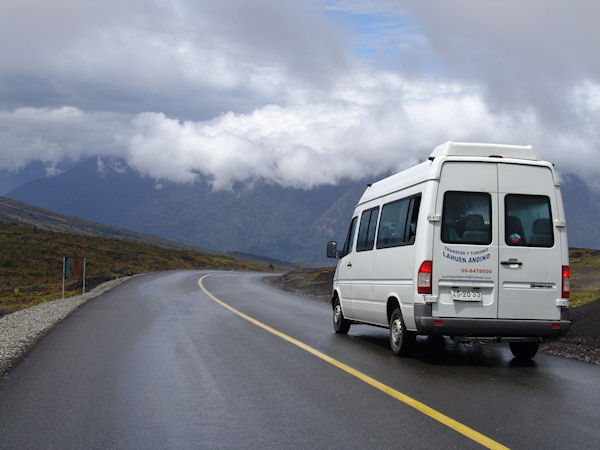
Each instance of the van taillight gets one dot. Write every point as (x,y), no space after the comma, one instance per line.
(566,276)
(424,278)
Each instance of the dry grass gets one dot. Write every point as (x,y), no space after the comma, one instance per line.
(31,263)
(585,275)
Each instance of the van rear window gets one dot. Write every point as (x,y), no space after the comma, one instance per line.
(466,218)
(528,221)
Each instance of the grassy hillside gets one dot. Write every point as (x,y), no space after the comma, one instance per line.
(585,275)
(31,263)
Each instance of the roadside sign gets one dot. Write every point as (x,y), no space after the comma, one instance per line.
(73,268)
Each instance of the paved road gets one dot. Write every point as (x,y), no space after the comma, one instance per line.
(158,363)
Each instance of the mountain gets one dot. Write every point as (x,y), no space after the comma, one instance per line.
(264,260)
(261,219)
(582,208)
(21,213)
(11,179)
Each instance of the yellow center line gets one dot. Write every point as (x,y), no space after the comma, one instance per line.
(421,407)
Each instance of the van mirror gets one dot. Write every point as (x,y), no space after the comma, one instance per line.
(332,251)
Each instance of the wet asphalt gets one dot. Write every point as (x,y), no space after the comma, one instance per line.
(156,363)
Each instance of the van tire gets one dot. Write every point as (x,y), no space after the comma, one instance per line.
(401,340)
(341,325)
(524,350)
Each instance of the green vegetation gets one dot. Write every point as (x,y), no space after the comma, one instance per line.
(585,275)
(31,263)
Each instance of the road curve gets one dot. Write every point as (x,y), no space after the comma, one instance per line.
(159,363)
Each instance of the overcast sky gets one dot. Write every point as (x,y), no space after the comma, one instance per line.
(299,93)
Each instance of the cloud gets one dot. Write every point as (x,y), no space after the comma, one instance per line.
(270,90)
(354,134)
(523,53)
(371,123)
(52,135)
(185,58)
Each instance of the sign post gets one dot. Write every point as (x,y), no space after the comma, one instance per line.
(83,276)
(73,267)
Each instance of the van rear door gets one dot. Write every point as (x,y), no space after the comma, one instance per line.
(465,251)
(530,277)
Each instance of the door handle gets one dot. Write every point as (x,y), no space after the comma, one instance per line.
(512,262)
(349,264)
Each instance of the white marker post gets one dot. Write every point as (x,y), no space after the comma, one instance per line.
(63,279)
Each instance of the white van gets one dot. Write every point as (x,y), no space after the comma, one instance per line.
(471,244)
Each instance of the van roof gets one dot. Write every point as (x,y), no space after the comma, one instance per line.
(430,170)
(478,149)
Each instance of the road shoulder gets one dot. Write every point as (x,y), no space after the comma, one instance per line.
(21,330)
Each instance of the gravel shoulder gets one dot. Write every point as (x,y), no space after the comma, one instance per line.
(582,342)
(20,330)
(583,339)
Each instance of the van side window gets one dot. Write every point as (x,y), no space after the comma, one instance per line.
(413,215)
(366,230)
(466,218)
(528,221)
(398,223)
(349,238)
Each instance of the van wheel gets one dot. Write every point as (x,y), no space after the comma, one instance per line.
(524,350)
(341,325)
(401,340)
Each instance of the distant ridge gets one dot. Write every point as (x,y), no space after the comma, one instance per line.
(288,224)
(261,259)
(21,213)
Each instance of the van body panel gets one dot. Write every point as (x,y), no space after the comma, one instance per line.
(343,272)
(561,227)
(400,183)
(343,276)
(521,152)
(364,304)
(394,284)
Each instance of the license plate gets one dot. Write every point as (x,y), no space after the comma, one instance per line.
(466,295)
